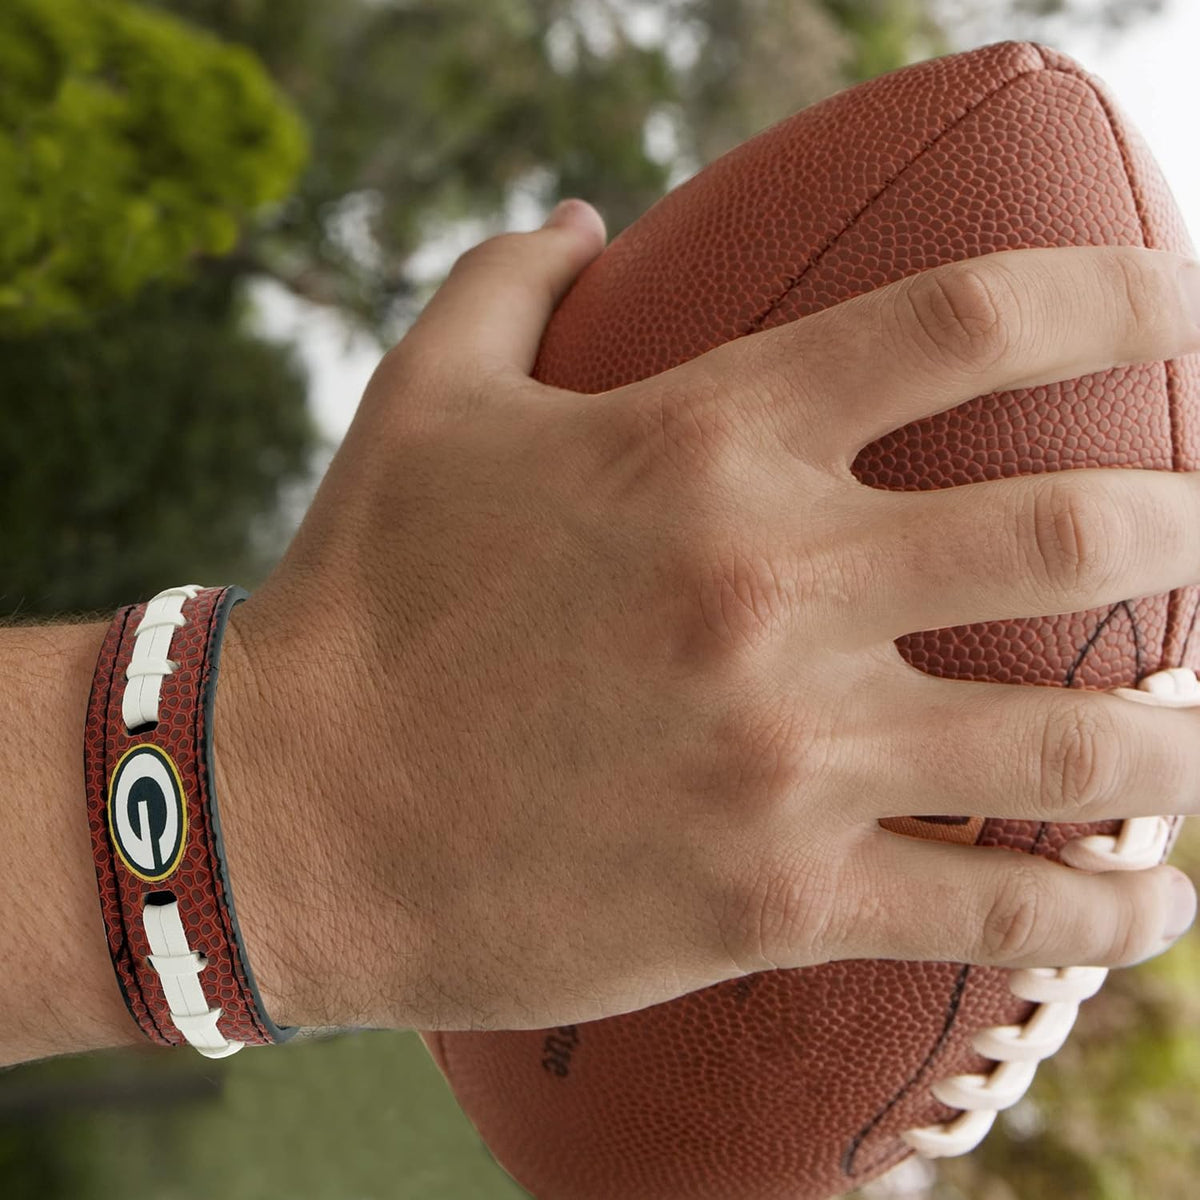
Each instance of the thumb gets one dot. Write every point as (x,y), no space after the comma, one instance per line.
(499,296)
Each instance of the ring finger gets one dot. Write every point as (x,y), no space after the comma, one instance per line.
(1071,755)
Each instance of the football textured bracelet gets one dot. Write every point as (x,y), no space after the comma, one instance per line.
(156,836)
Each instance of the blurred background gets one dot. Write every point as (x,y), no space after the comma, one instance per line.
(214,216)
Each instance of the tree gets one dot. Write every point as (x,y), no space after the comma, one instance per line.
(425,113)
(129,144)
(146,448)
(146,434)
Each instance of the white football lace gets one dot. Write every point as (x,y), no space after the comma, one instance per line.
(177,964)
(1058,992)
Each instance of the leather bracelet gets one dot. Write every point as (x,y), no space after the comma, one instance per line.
(156,835)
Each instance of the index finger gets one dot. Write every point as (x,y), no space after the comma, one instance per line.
(847,375)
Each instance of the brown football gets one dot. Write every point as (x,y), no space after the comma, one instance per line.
(792,1085)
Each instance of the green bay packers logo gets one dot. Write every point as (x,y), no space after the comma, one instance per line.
(147,813)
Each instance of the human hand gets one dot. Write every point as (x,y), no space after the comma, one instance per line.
(559,706)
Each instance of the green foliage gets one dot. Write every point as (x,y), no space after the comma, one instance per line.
(148,448)
(884,32)
(434,111)
(129,144)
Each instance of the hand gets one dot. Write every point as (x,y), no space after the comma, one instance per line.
(559,706)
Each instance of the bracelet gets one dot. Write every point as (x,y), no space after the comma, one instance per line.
(156,837)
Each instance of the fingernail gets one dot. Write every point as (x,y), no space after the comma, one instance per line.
(1191,288)
(1182,911)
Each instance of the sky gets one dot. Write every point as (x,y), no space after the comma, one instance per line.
(1150,69)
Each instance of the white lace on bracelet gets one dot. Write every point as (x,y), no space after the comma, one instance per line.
(1058,992)
(179,967)
(177,964)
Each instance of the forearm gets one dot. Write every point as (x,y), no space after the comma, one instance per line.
(58,992)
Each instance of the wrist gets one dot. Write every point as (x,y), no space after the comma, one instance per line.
(329,932)
(256,833)
(279,852)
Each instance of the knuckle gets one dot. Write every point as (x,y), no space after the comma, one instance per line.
(788,914)
(1082,764)
(1070,545)
(407,384)
(688,429)
(743,597)
(1134,934)
(772,751)
(783,398)
(1146,295)
(959,316)
(1014,924)
(1167,759)
(401,365)
(498,250)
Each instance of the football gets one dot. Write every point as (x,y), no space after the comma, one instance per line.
(799,1084)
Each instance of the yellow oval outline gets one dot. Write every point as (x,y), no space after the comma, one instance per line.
(173,866)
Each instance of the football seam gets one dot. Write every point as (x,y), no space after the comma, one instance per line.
(1122,145)
(951,1015)
(833,239)
(1175,604)
(1100,628)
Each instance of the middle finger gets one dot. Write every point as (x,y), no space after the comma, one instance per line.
(1018,752)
